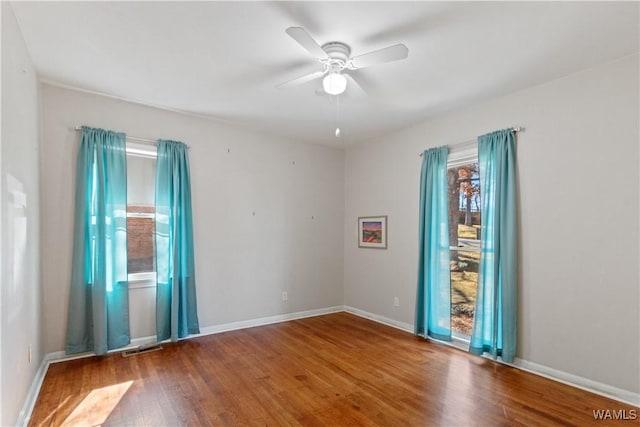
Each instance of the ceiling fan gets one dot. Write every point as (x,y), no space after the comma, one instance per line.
(336,61)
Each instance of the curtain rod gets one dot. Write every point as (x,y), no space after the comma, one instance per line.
(515,129)
(133,138)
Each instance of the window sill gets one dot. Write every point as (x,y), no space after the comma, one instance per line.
(142,280)
(460,341)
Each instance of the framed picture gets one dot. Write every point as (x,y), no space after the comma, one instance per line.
(372,232)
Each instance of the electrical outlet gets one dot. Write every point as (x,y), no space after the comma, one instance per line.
(396,302)
(285,297)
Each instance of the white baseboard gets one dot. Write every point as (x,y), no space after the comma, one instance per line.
(582,383)
(62,356)
(216,329)
(380,319)
(30,401)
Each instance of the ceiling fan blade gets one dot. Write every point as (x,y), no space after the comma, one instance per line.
(306,41)
(353,86)
(300,80)
(388,54)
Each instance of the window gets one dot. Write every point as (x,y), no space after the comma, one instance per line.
(141,166)
(463,182)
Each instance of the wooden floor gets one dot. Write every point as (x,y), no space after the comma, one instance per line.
(337,369)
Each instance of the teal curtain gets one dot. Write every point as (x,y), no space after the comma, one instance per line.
(494,323)
(176,308)
(98,318)
(433,300)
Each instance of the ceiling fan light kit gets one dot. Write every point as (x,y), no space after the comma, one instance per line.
(336,61)
(334,83)
(335,58)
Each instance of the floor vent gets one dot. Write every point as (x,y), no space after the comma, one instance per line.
(142,349)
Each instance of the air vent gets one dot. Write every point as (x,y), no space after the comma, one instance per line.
(142,349)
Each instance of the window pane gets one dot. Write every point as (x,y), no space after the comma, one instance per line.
(141,173)
(464,285)
(464,205)
(140,200)
(464,232)
(140,241)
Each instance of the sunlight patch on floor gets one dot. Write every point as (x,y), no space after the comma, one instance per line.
(97,406)
(47,420)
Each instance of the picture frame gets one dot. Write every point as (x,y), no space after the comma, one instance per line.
(372,232)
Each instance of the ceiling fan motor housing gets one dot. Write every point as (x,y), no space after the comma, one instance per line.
(338,54)
(335,57)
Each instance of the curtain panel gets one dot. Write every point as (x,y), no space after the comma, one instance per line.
(98,317)
(176,306)
(433,299)
(494,323)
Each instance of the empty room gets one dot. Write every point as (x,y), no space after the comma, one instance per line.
(320,213)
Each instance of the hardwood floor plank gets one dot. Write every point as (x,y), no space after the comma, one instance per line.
(336,369)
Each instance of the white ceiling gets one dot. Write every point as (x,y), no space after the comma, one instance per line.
(223,59)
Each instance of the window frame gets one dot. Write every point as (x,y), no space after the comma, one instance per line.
(459,155)
(146,279)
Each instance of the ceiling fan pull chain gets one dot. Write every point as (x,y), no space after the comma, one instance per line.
(337,116)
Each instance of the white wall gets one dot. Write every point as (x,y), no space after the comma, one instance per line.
(578,208)
(20,307)
(243,261)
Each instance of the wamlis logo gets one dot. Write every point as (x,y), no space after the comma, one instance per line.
(615,414)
